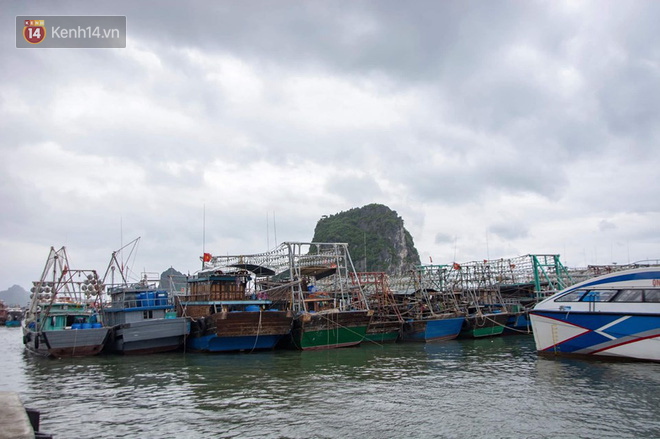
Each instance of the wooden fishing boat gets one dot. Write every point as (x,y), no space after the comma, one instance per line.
(433,328)
(62,320)
(298,293)
(226,317)
(430,315)
(329,311)
(324,326)
(386,323)
(486,314)
(484,324)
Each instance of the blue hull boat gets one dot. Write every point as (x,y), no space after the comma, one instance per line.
(432,329)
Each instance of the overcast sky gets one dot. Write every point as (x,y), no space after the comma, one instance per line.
(494,129)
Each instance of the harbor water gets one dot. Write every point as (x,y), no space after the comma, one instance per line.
(486,388)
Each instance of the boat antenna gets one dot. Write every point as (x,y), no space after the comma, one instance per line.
(267,233)
(275,228)
(121,241)
(487,249)
(203,233)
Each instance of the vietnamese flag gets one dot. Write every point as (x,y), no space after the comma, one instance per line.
(207,257)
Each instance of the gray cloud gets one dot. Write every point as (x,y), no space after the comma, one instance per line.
(457,115)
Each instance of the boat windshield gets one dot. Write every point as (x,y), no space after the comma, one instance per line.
(652,295)
(599,295)
(629,296)
(573,296)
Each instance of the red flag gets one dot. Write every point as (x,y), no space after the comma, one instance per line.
(431,259)
(207,257)
(457,266)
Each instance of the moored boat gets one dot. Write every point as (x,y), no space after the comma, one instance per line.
(386,323)
(325,326)
(62,320)
(615,315)
(14,317)
(329,312)
(143,320)
(433,328)
(485,313)
(142,316)
(430,312)
(484,324)
(226,317)
(4,313)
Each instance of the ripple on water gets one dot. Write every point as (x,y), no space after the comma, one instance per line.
(470,388)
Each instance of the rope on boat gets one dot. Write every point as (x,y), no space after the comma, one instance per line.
(256,339)
(508,327)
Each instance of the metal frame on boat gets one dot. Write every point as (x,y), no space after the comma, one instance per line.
(63,318)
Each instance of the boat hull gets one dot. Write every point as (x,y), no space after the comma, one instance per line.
(488,325)
(315,331)
(66,342)
(150,336)
(430,330)
(518,323)
(383,331)
(618,335)
(239,331)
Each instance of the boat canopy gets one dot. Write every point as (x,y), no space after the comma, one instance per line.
(259,270)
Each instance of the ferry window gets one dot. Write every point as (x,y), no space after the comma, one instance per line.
(573,296)
(599,295)
(629,296)
(651,295)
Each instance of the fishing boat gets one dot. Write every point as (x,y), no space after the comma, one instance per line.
(14,317)
(143,320)
(62,320)
(330,312)
(429,307)
(141,314)
(227,317)
(616,315)
(485,313)
(427,318)
(4,312)
(298,292)
(484,323)
(385,325)
(325,324)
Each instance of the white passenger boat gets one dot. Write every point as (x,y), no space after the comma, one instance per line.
(615,315)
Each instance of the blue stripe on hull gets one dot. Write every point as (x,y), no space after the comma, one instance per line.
(436,330)
(213,343)
(600,336)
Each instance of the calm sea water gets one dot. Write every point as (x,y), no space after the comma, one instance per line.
(473,388)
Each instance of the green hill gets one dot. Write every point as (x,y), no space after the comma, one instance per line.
(376,237)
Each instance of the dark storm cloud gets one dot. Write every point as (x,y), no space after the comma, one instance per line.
(309,108)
